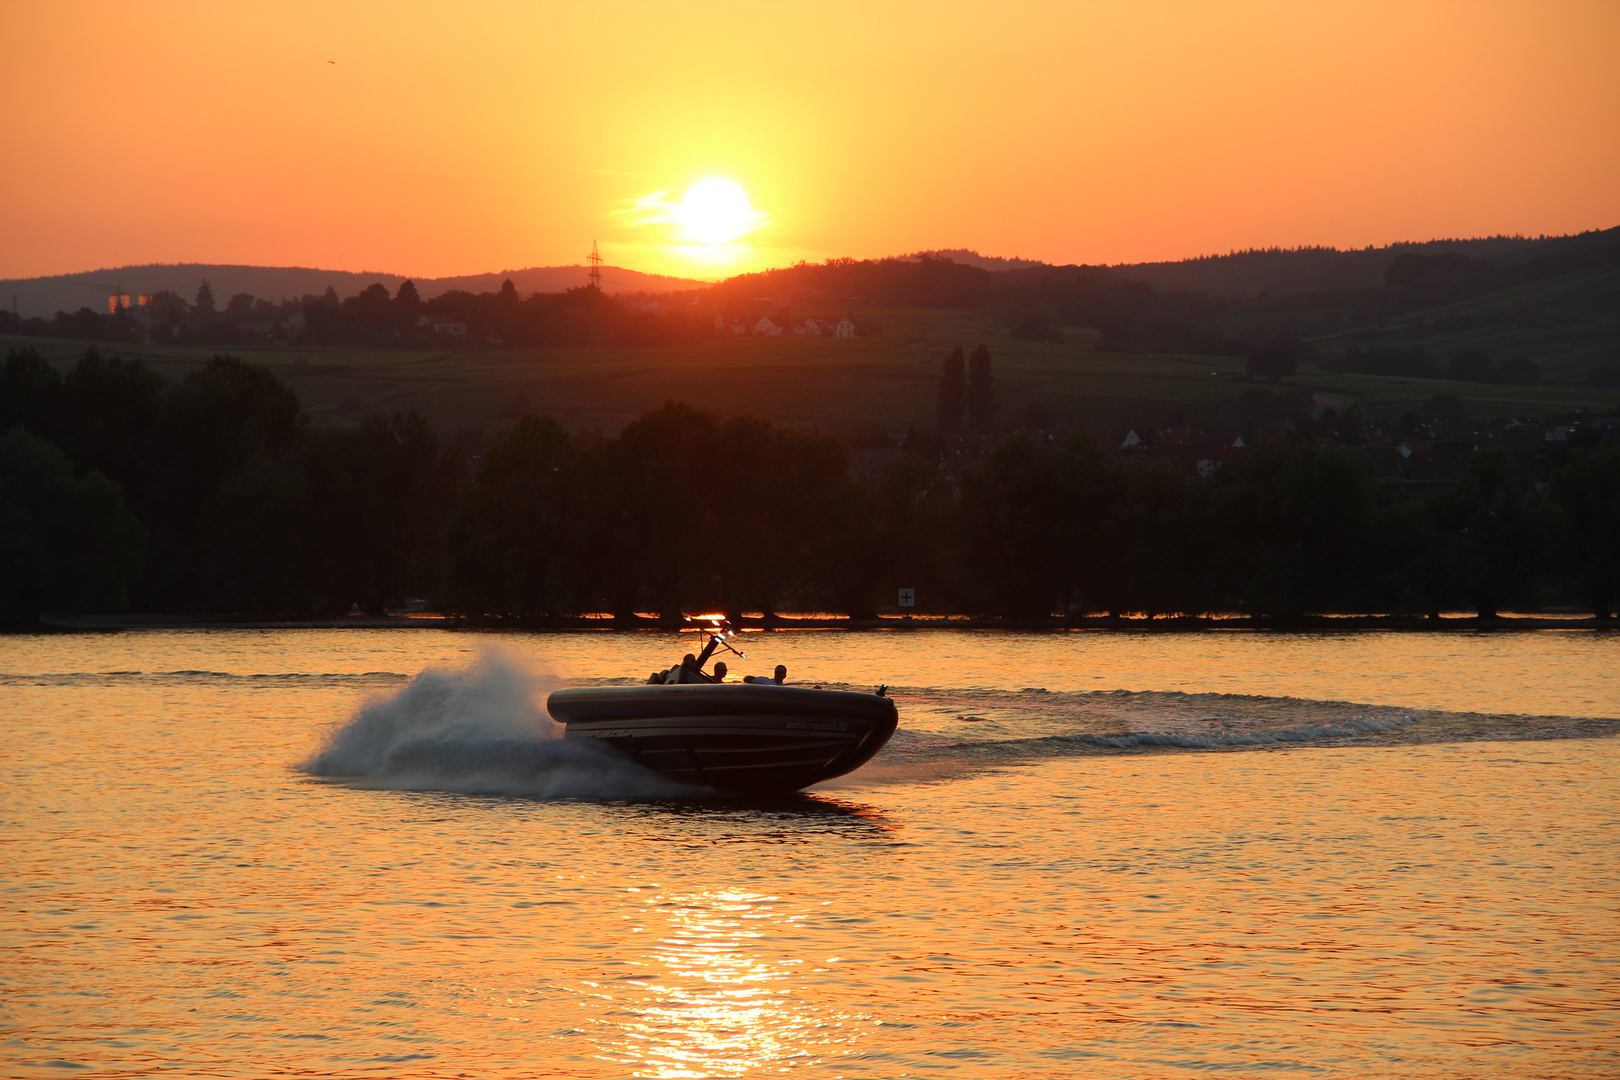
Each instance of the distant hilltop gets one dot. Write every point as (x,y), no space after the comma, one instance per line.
(42,297)
(1285,271)
(1238,275)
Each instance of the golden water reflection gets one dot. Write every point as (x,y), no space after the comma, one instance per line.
(718,995)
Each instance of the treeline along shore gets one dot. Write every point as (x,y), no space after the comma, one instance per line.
(212,494)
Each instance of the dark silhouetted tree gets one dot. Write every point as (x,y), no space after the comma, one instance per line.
(379,495)
(410,303)
(1586,488)
(216,421)
(114,408)
(952,393)
(1278,357)
(1299,519)
(1032,521)
(205,298)
(516,540)
(981,392)
(1493,531)
(67,545)
(31,395)
(167,310)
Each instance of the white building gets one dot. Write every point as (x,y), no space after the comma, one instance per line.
(845,328)
(441,325)
(766,327)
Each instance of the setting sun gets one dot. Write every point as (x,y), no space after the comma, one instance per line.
(716,211)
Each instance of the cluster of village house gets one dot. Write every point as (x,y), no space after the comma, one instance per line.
(1423,465)
(844,327)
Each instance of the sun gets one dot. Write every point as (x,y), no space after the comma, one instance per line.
(715,211)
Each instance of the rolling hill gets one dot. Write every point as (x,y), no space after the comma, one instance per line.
(1281,272)
(44,296)
(1553,302)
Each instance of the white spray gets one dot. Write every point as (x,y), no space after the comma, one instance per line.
(479,730)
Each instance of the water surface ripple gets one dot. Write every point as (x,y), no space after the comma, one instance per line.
(1181,869)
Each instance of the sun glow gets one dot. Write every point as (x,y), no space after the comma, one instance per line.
(715,211)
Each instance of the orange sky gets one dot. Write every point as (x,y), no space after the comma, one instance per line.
(468,138)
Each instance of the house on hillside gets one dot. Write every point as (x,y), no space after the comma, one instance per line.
(845,328)
(1132,441)
(766,327)
(439,324)
(808,328)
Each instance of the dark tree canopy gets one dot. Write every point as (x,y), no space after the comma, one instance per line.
(213,493)
(952,393)
(981,392)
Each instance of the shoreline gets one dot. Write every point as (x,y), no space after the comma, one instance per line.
(1129,624)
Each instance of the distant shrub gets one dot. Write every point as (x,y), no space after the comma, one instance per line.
(1279,357)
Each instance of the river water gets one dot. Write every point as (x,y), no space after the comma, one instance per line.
(364,853)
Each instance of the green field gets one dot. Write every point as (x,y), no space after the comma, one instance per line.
(859,387)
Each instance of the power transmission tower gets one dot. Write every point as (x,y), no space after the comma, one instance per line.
(596,267)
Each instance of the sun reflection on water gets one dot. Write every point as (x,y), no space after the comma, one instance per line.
(718,997)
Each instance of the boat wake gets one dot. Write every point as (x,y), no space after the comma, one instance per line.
(477,730)
(481,730)
(946,731)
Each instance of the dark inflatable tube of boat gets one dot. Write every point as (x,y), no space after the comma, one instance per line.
(596,703)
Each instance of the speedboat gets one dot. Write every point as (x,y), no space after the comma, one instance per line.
(752,737)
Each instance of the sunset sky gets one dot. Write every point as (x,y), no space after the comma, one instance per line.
(472,138)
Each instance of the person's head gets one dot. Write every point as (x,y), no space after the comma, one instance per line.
(781,673)
(688,660)
(719,669)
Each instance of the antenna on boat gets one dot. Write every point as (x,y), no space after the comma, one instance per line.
(718,630)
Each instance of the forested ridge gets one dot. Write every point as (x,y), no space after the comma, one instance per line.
(1505,312)
(122,490)
(501,318)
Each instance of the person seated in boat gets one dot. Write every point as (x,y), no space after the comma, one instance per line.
(689,670)
(777,679)
(719,671)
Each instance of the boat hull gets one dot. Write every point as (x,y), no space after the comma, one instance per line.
(732,736)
